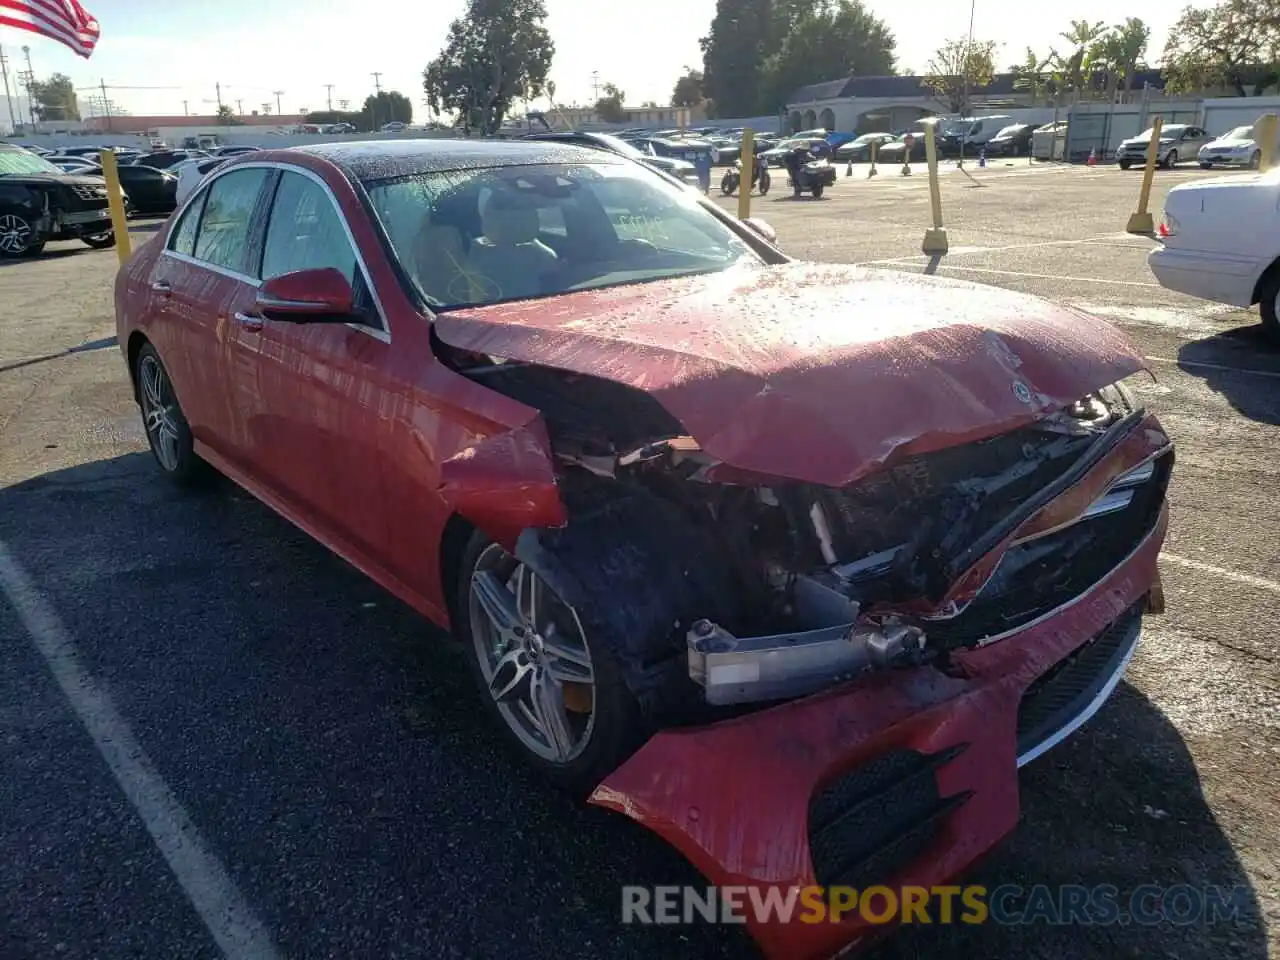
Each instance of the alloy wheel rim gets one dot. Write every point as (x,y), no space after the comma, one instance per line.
(15,233)
(159,412)
(534,657)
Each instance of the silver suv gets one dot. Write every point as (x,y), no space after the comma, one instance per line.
(1178,141)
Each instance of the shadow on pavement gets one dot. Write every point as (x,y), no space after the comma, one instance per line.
(42,256)
(82,348)
(1223,361)
(328,743)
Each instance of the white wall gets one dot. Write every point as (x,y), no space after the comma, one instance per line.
(1221,115)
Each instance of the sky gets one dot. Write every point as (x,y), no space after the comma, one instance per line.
(181,49)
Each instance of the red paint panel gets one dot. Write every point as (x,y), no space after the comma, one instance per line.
(817,372)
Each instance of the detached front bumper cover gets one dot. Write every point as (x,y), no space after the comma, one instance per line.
(743,800)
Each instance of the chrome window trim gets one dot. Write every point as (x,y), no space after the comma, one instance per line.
(381,332)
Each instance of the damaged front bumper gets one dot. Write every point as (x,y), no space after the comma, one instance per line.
(902,777)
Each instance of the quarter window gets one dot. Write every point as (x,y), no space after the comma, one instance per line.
(228,211)
(184,235)
(305,232)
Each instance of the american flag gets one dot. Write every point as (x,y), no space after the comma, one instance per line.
(62,20)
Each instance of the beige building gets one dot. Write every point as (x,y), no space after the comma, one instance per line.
(576,117)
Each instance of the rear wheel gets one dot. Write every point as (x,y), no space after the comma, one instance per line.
(817,191)
(100,241)
(18,237)
(1126,164)
(167,431)
(764,182)
(1206,166)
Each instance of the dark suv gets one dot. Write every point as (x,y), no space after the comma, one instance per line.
(39,203)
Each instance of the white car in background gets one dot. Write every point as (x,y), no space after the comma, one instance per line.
(192,172)
(1220,240)
(1236,148)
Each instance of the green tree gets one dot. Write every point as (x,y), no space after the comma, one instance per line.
(957,68)
(824,40)
(688,89)
(1235,44)
(498,51)
(609,107)
(742,35)
(54,99)
(1078,68)
(385,107)
(1134,35)
(227,117)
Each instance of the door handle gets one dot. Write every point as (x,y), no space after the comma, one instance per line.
(248,322)
(162,287)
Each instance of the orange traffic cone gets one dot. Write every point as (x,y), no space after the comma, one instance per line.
(1093,157)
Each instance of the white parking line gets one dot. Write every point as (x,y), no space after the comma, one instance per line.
(1247,579)
(1039,276)
(1274,374)
(1106,239)
(208,886)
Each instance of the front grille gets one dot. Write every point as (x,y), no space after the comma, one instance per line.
(89,191)
(1059,696)
(1038,577)
(871,823)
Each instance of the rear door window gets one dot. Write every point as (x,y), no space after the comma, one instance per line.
(184,234)
(228,212)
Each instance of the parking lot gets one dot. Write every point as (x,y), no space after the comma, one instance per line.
(346,797)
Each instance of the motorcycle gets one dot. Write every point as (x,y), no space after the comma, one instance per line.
(733,178)
(813,176)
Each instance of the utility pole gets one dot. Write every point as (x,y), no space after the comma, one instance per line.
(266,109)
(185,111)
(106,104)
(8,98)
(239,107)
(328,94)
(278,94)
(342,105)
(27,79)
(595,86)
(218,92)
(377,97)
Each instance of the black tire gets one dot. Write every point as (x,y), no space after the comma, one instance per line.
(1126,164)
(728,185)
(765,181)
(101,242)
(1255,162)
(1268,293)
(1171,160)
(796,191)
(817,191)
(186,468)
(1206,166)
(616,729)
(18,237)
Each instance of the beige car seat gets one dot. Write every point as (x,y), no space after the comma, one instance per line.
(510,255)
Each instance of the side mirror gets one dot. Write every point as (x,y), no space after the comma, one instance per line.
(763,229)
(308,296)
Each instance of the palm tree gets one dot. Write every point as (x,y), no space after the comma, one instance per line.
(1082,36)
(1134,36)
(1029,76)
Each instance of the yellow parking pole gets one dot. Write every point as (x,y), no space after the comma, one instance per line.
(748,158)
(115,203)
(1140,221)
(874,150)
(1264,135)
(935,238)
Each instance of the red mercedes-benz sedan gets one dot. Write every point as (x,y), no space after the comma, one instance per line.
(796,564)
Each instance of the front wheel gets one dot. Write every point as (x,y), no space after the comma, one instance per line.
(100,241)
(817,191)
(18,237)
(168,434)
(555,689)
(1206,166)
(764,182)
(728,184)
(1256,160)
(1171,160)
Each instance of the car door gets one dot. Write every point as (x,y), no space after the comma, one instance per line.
(317,388)
(198,286)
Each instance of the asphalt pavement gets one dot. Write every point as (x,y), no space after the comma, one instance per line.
(311,752)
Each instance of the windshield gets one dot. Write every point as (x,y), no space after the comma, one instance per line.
(23,161)
(1166,133)
(508,233)
(1239,133)
(1010,131)
(621,146)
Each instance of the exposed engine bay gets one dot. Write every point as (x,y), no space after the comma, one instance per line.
(788,587)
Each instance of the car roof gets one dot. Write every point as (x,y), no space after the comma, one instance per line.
(386,159)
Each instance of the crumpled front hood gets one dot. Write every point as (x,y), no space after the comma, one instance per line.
(816,372)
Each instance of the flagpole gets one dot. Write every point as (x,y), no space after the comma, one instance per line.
(8,97)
